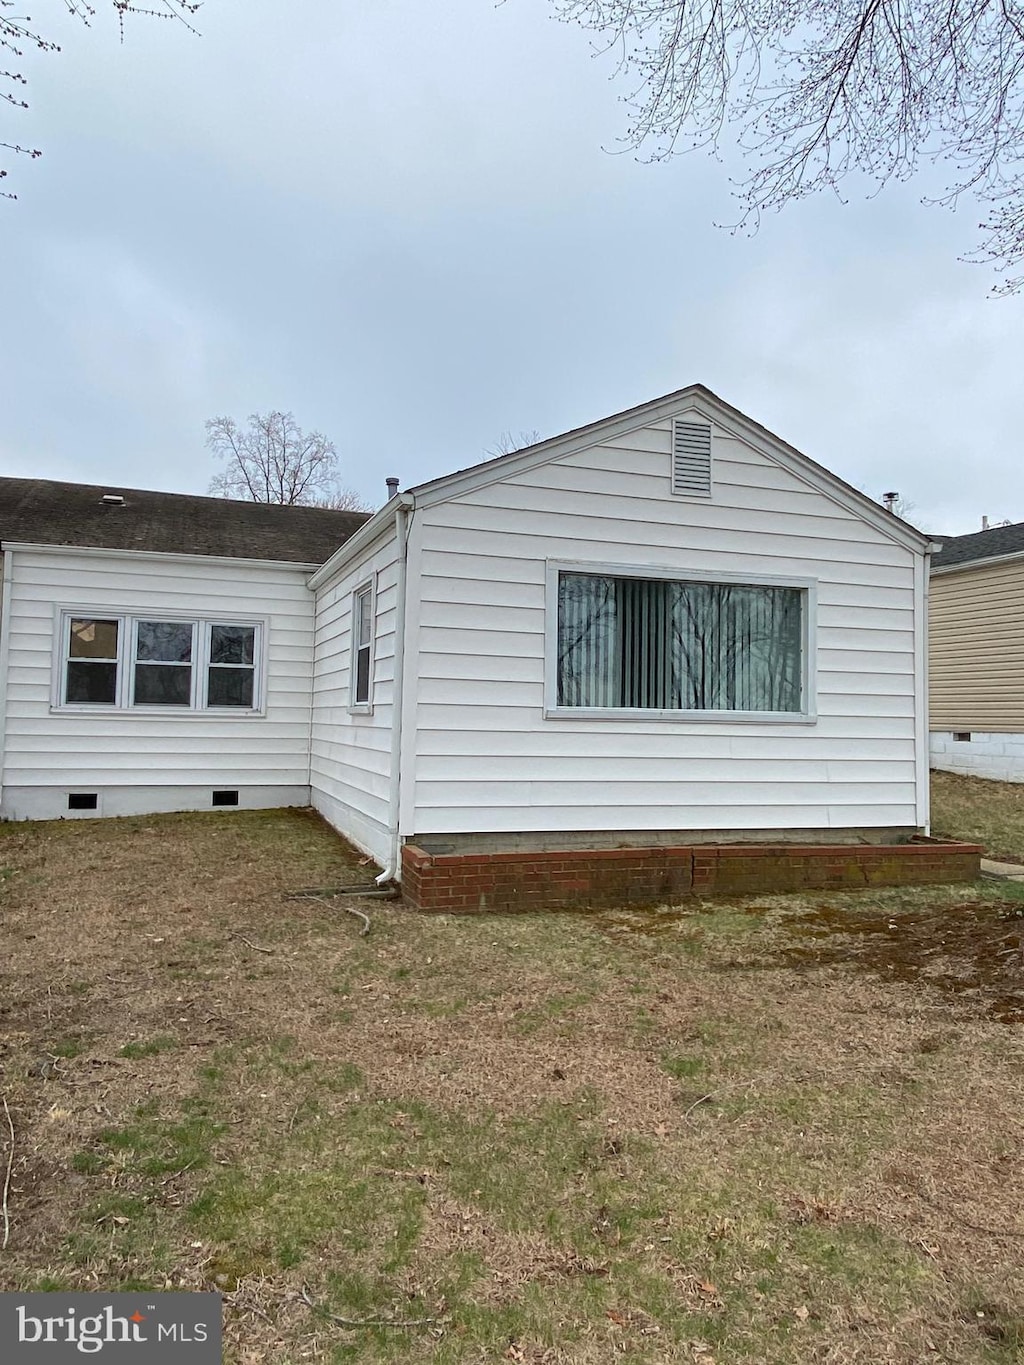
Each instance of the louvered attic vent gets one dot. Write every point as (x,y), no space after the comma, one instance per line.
(691,459)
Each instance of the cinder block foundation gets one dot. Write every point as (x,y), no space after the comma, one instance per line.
(578,879)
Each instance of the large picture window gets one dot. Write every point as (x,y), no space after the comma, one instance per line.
(140,662)
(670,645)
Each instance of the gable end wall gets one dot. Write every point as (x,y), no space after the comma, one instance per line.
(487,759)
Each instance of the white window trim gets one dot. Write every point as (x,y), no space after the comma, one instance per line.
(808,715)
(126,637)
(369,586)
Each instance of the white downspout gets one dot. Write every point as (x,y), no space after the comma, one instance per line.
(403,516)
(926,687)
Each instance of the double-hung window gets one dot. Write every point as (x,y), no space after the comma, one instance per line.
(669,645)
(91,653)
(162,672)
(142,662)
(362,646)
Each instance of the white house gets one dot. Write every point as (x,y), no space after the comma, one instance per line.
(666,625)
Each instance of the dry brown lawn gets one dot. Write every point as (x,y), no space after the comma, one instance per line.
(772,1130)
(983,811)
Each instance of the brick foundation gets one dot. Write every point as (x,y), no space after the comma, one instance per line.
(595,878)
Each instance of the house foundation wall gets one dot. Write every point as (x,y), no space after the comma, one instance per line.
(51,803)
(979,753)
(578,879)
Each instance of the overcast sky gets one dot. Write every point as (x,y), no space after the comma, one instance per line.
(407,224)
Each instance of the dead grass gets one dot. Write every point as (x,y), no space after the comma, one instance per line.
(982,811)
(733,1134)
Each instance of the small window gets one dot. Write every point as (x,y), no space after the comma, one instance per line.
(691,459)
(91,674)
(83,801)
(362,644)
(225,798)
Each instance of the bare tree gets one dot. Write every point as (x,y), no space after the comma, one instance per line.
(820,90)
(273,460)
(506,443)
(18,34)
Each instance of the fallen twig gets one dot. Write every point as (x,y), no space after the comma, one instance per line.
(307,1299)
(351,910)
(255,946)
(295,1112)
(964,1222)
(348,910)
(7,1180)
(703,1099)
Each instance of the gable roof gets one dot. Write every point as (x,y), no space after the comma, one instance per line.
(695,397)
(994,543)
(42,512)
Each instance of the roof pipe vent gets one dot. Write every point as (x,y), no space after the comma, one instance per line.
(889,501)
(392,483)
(112,500)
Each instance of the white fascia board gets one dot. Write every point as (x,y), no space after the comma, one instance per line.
(976,563)
(164,556)
(695,399)
(821,479)
(382,521)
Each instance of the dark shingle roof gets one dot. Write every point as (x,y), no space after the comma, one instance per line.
(41,512)
(998,540)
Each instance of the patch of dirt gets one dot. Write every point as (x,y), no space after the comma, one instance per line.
(974,950)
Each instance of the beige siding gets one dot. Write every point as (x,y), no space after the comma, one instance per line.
(976,648)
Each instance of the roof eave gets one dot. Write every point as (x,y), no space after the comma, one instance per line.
(979,563)
(362,539)
(175,556)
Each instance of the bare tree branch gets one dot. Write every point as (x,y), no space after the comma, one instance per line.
(507,442)
(18,33)
(822,90)
(273,460)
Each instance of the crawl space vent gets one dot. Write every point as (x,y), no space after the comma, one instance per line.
(691,459)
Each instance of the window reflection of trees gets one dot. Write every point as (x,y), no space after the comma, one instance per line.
(666,645)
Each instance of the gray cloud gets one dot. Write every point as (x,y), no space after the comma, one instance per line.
(399,221)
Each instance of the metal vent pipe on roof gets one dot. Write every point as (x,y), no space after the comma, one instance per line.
(392,483)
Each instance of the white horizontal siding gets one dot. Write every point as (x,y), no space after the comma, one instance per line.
(350,759)
(52,748)
(486,757)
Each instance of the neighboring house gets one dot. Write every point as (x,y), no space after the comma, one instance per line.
(667,626)
(976,652)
